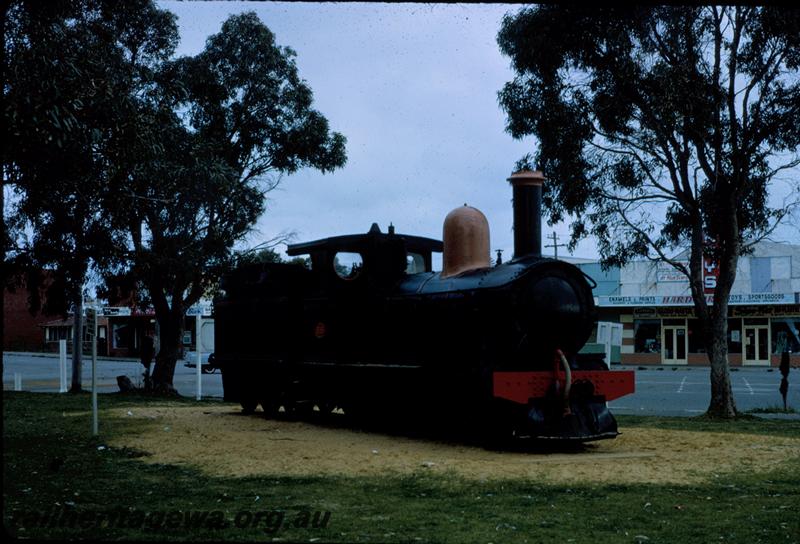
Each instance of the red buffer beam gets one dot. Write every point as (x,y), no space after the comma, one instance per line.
(521,386)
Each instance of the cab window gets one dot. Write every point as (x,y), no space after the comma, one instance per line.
(348,265)
(415,263)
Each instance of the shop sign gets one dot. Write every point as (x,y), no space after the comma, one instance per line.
(666,273)
(710,275)
(676,311)
(762,298)
(687,300)
(205,311)
(113,311)
(664,311)
(780,310)
(682,300)
(643,313)
(628,301)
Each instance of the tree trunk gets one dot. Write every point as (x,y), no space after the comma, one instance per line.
(714,319)
(5,267)
(170,337)
(77,345)
(722,403)
(3,317)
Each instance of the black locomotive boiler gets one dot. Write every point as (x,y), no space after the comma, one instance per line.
(492,348)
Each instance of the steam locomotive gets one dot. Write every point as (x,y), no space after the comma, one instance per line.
(492,347)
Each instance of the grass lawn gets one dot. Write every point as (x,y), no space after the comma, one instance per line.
(60,483)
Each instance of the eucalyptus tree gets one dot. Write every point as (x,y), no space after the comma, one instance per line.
(661,128)
(72,73)
(230,122)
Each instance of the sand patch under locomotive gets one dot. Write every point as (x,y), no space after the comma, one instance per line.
(219,441)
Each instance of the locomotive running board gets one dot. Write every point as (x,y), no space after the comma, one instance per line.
(520,387)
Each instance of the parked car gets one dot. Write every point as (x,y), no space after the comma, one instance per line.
(207,360)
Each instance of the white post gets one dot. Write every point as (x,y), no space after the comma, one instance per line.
(198,326)
(17,381)
(62,365)
(93,324)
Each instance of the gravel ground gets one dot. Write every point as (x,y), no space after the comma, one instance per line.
(220,441)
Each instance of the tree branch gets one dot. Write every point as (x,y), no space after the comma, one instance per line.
(733,126)
(675,264)
(779,216)
(639,159)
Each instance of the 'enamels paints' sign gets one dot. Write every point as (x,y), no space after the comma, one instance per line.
(687,300)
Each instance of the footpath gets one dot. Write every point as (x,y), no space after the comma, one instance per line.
(86,357)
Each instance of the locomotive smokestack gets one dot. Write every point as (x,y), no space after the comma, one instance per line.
(527,212)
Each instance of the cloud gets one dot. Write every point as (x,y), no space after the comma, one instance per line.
(414,89)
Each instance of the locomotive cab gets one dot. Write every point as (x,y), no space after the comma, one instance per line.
(352,277)
(367,261)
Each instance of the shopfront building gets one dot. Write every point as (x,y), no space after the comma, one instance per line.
(653,303)
(655,332)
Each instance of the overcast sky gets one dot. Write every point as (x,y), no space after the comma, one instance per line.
(413,87)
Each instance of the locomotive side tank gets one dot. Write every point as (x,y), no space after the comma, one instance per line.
(495,348)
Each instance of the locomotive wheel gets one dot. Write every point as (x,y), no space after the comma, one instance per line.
(270,406)
(325,408)
(498,437)
(497,429)
(248,406)
(299,410)
(363,414)
(304,409)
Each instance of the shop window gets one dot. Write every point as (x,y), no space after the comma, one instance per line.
(647,336)
(785,335)
(54,334)
(102,340)
(697,341)
(734,336)
(121,335)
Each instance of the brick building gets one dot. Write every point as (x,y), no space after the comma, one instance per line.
(120,329)
(22,329)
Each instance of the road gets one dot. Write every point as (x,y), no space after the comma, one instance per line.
(659,390)
(40,373)
(674,391)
